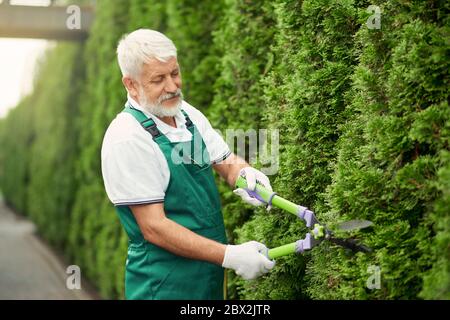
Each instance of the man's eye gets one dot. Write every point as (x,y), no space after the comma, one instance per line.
(159,80)
(175,73)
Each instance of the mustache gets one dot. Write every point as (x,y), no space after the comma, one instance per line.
(168,96)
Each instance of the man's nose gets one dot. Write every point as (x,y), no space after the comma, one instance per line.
(171,86)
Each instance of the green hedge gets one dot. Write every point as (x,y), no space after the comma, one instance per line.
(394,145)
(364,127)
(17,135)
(314,58)
(243,38)
(96,241)
(190,24)
(53,153)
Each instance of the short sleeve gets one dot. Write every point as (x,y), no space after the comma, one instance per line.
(217,148)
(132,174)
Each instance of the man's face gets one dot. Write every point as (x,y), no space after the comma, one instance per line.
(159,87)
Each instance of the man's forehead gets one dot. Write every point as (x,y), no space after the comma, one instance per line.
(154,66)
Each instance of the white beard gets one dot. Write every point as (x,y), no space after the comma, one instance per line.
(157,108)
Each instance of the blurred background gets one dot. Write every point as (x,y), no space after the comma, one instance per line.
(359,96)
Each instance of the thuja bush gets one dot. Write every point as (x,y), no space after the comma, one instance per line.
(436,280)
(392,162)
(190,25)
(16,137)
(305,99)
(97,242)
(52,155)
(243,39)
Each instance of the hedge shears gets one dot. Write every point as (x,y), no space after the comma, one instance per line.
(318,232)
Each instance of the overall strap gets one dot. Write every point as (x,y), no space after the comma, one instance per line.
(189,123)
(148,124)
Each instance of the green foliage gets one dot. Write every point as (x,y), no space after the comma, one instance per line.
(51,165)
(147,14)
(314,60)
(14,156)
(436,280)
(243,37)
(190,24)
(389,156)
(95,232)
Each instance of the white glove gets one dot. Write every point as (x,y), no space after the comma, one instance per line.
(248,259)
(252,176)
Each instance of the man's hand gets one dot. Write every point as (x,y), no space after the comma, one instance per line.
(252,176)
(248,260)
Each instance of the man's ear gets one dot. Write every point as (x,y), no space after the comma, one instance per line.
(131,86)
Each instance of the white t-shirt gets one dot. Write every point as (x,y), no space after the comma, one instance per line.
(134,169)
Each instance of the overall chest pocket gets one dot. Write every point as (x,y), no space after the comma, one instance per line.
(192,154)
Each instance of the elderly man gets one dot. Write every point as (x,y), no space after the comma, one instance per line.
(157,161)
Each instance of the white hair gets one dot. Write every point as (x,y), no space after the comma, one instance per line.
(139,47)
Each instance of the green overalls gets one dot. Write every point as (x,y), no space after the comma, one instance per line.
(192,200)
